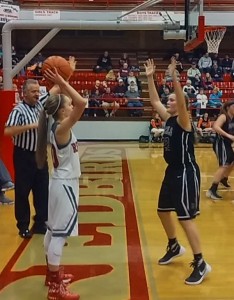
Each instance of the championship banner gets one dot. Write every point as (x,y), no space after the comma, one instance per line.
(8,12)
(46,14)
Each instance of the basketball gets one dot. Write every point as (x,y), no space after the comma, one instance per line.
(61,64)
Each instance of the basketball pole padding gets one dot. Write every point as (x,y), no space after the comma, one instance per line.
(7,101)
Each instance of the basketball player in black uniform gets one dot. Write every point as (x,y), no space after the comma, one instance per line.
(180,188)
(224,127)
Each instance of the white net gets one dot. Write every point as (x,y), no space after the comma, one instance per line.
(213,38)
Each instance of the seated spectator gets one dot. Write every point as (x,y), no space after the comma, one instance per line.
(201,101)
(94,103)
(132,83)
(204,125)
(179,66)
(208,82)
(98,86)
(205,63)
(215,58)
(162,86)
(131,77)
(17,95)
(232,70)
(104,63)
(108,101)
(120,89)
(5,184)
(156,128)
(124,59)
(226,64)
(133,98)
(165,95)
(124,71)
(197,82)
(36,64)
(215,98)
(193,72)
(216,72)
(189,89)
(110,76)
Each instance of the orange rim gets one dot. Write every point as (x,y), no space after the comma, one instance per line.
(215,28)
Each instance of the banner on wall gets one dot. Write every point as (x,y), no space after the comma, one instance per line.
(8,12)
(46,14)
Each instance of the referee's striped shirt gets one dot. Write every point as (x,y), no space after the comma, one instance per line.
(24,114)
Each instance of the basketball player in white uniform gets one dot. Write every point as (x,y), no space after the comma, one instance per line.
(66,109)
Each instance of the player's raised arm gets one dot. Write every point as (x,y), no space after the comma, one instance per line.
(182,106)
(154,97)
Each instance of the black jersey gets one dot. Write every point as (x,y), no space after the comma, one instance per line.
(228,127)
(178,144)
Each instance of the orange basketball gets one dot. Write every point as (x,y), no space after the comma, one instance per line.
(61,64)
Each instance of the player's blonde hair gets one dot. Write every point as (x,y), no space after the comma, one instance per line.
(52,107)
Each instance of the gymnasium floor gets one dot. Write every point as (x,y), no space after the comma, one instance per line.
(121,239)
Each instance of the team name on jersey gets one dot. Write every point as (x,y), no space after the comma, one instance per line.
(75,147)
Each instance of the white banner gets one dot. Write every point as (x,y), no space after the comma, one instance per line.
(8,12)
(143,16)
(46,14)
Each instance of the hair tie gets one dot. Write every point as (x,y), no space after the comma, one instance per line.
(59,102)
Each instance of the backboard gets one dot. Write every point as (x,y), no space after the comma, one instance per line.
(194,24)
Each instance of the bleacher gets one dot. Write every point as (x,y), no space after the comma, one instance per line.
(84,78)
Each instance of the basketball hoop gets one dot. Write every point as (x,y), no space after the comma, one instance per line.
(213,38)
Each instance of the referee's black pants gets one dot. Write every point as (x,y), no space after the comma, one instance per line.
(29,178)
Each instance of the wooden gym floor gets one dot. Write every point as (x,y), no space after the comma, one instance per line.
(121,238)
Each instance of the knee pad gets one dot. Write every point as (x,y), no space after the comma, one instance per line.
(55,250)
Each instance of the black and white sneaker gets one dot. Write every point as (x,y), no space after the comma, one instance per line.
(174,251)
(200,271)
(225,183)
(213,195)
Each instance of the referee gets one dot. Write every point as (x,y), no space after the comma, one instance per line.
(22,125)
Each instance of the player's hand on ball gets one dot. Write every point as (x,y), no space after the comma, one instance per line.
(54,76)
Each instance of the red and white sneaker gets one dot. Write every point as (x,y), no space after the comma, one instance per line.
(65,277)
(59,291)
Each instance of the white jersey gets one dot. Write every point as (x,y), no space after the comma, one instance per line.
(65,158)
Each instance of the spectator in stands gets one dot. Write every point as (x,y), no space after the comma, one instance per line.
(120,89)
(110,76)
(189,89)
(204,125)
(205,63)
(131,77)
(108,101)
(227,64)
(94,103)
(124,59)
(232,70)
(179,66)
(156,128)
(104,63)
(201,101)
(208,82)
(162,86)
(86,96)
(133,98)
(197,82)
(36,64)
(124,71)
(193,72)
(5,184)
(17,95)
(98,86)
(215,98)
(165,95)
(15,58)
(215,58)
(216,72)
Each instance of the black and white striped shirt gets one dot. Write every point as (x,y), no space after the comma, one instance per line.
(24,114)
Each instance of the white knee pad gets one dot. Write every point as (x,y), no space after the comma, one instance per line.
(55,250)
